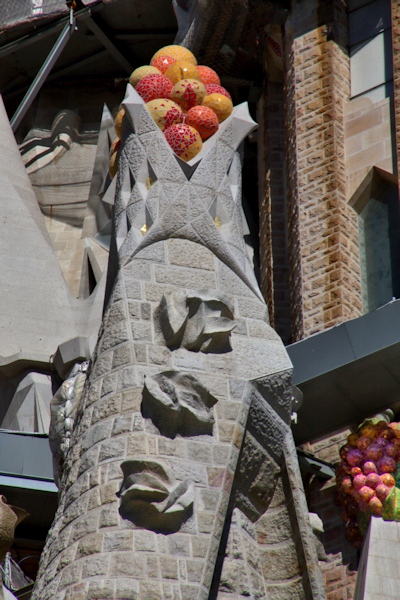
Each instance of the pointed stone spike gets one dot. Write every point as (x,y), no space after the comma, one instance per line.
(37,310)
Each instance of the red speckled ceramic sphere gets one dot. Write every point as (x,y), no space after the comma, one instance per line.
(115,146)
(119,122)
(162,63)
(208,75)
(204,120)
(165,112)
(212,88)
(188,93)
(177,52)
(184,140)
(152,87)
(141,72)
(182,69)
(222,107)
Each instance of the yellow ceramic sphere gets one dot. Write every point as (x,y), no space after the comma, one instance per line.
(182,70)
(119,122)
(177,52)
(138,74)
(188,93)
(164,112)
(220,104)
(113,165)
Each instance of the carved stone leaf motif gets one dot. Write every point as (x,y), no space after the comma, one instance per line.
(149,499)
(178,403)
(200,321)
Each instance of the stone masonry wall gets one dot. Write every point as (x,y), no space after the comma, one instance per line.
(323,236)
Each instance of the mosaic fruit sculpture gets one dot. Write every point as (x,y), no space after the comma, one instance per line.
(141,72)
(182,69)
(208,76)
(204,120)
(213,88)
(186,101)
(184,140)
(188,93)
(176,52)
(165,112)
(220,104)
(368,477)
(153,87)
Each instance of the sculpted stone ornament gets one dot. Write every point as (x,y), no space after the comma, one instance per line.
(179,279)
(63,408)
(150,500)
(178,403)
(10,517)
(200,321)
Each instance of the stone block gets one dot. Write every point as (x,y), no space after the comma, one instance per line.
(127,564)
(118,540)
(91,544)
(169,568)
(114,448)
(145,541)
(179,545)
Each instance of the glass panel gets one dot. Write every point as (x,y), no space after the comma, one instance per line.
(379,251)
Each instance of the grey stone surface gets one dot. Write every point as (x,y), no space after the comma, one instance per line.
(377,575)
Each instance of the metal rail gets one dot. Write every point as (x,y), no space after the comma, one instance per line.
(45,69)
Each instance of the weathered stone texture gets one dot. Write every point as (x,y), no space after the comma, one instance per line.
(323,235)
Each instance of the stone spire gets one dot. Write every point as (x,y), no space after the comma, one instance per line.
(182,442)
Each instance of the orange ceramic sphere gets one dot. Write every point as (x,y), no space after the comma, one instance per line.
(177,52)
(184,140)
(119,122)
(162,63)
(220,104)
(182,69)
(208,76)
(165,112)
(204,120)
(138,74)
(188,93)
(152,87)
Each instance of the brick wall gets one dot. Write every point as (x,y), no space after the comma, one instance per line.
(323,236)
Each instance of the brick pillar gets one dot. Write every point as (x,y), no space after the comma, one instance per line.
(323,235)
(396,75)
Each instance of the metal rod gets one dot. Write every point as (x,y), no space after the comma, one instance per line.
(107,43)
(39,35)
(42,74)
